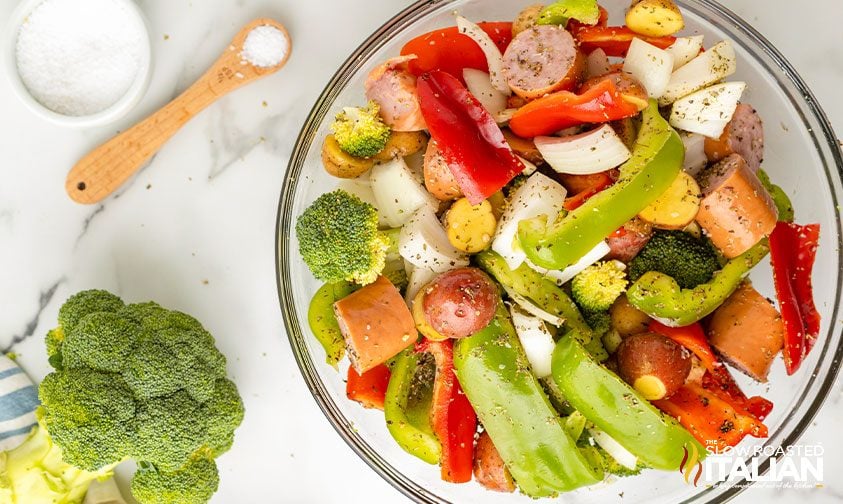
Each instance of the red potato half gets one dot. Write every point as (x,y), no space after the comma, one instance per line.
(460,302)
(489,468)
(654,365)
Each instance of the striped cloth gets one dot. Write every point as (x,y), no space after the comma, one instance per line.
(18,400)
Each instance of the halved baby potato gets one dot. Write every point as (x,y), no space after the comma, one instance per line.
(677,206)
(401,144)
(656,18)
(341,164)
(470,227)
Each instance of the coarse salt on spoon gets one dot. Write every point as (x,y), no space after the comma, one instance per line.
(261,48)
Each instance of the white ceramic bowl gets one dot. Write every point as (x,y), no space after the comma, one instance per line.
(119,109)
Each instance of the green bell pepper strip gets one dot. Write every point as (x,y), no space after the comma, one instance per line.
(545,294)
(412,439)
(617,409)
(656,160)
(558,13)
(323,322)
(530,436)
(659,296)
(780,198)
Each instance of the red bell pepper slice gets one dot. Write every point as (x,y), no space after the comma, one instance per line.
(717,377)
(468,137)
(452,417)
(714,421)
(451,51)
(793,249)
(600,103)
(596,183)
(369,389)
(615,40)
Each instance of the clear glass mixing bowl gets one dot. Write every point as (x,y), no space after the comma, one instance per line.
(802,156)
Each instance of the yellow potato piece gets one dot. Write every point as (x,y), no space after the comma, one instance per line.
(470,228)
(341,164)
(677,206)
(401,144)
(656,18)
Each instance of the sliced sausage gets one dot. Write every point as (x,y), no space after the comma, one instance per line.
(541,60)
(743,135)
(627,242)
(489,468)
(736,211)
(375,323)
(393,87)
(747,331)
(438,178)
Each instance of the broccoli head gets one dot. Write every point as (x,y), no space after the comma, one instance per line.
(689,260)
(339,239)
(360,131)
(136,382)
(598,286)
(193,483)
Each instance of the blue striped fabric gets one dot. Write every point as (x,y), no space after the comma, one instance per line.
(18,401)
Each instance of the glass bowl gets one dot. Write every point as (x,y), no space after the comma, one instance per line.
(802,156)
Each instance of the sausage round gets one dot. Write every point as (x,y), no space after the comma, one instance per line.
(628,241)
(542,59)
(393,87)
(460,302)
(736,211)
(743,135)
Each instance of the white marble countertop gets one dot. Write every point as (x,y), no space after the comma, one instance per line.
(195,230)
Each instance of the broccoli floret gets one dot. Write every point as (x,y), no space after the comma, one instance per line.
(599,285)
(360,131)
(194,483)
(689,260)
(599,321)
(131,382)
(339,239)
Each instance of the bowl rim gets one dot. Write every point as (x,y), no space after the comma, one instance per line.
(115,111)
(828,355)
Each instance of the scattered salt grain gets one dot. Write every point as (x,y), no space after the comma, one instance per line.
(79,57)
(265,47)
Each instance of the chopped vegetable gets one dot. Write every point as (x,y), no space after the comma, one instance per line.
(538,195)
(369,389)
(708,110)
(591,152)
(617,409)
(402,144)
(489,468)
(650,65)
(339,239)
(470,227)
(130,381)
(449,50)
(397,192)
(479,84)
(654,365)
(412,439)
(375,323)
(470,140)
(783,205)
(689,261)
(659,296)
(709,67)
(677,206)
(452,416)
(564,276)
(494,57)
(793,249)
(424,243)
(685,49)
(360,131)
(535,338)
(341,164)
(614,450)
(626,319)
(655,18)
(599,285)
(494,373)
(656,159)
(601,103)
(559,12)
(323,322)
(695,158)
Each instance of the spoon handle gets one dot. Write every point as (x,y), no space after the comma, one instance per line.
(104,169)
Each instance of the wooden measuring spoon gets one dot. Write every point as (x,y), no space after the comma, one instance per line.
(104,169)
